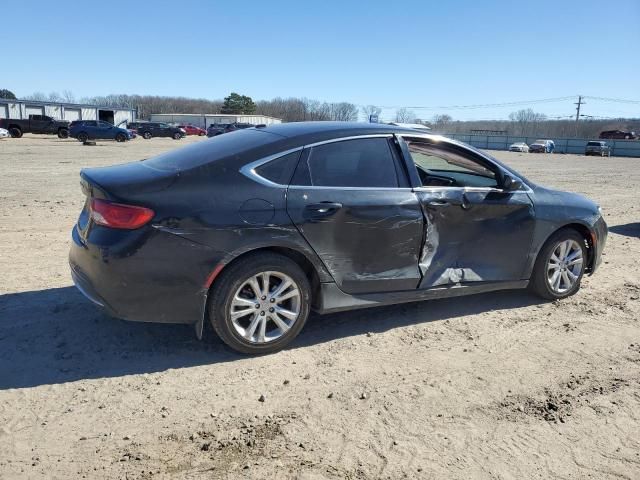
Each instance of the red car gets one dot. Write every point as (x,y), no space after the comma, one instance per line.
(191,130)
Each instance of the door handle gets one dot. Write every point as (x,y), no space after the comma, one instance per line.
(466,204)
(439,203)
(324,207)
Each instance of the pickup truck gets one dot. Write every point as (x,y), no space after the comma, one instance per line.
(36,124)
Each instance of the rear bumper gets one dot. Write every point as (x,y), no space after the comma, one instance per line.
(142,275)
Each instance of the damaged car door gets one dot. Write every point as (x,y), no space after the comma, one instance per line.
(351,200)
(477,228)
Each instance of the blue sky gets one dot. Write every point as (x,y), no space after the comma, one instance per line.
(386,53)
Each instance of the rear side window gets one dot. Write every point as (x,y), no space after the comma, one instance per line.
(279,170)
(365,162)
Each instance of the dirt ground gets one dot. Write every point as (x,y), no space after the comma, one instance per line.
(499,386)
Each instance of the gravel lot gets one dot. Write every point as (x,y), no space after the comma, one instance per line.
(491,386)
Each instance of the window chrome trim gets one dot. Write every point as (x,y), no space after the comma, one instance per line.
(249,170)
(475,189)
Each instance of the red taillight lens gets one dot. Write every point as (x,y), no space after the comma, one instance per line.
(117,215)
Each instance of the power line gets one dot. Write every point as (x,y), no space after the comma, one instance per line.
(618,100)
(485,105)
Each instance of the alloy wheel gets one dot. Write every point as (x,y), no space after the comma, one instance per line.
(265,307)
(564,266)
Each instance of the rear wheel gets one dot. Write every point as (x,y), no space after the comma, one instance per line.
(121,137)
(83,137)
(260,304)
(146,135)
(560,265)
(15,132)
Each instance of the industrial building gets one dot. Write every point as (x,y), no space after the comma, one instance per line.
(21,109)
(203,120)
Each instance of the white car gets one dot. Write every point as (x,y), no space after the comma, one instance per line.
(4,133)
(519,147)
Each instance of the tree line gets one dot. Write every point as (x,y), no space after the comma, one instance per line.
(524,122)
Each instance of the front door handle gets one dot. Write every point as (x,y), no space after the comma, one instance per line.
(439,203)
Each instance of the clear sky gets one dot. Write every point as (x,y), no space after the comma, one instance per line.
(386,53)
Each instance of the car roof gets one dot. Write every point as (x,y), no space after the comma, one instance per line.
(310,132)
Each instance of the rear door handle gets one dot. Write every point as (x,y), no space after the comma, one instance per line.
(324,207)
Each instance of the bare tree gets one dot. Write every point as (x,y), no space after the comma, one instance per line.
(68,96)
(369,110)
(525,120)
(404,115)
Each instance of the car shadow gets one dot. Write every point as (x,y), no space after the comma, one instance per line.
(628,229)
(55,335)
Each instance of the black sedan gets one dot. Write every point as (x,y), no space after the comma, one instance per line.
(254,229)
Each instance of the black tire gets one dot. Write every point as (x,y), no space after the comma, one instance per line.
(177,136)
(121,137)
(232,278)
(538,283)
(15,132)
(82,137)
(63,133)
(146,135)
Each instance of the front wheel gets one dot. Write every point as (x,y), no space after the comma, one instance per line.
(560,265)
(121,137)
(63,133)
(260,304)
(83,137)
(177,136)
(15,132)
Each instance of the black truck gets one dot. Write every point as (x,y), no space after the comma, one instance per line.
(35,124)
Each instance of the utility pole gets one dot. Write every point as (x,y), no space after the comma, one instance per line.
(579,104)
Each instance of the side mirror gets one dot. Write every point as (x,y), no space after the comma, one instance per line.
(511,184)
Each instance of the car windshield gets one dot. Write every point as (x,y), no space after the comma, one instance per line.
(540,141)
(594,144)
(218,147)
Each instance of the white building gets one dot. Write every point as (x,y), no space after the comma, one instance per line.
(203,120)
(21,109)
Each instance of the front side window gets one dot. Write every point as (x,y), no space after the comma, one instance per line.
(366,162)
(442,167)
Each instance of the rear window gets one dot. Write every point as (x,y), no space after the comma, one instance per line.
(593,144)
(210,150)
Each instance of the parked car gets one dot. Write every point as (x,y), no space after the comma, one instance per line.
(4,133)
(193,130)
(253,229)
(618,134)
(542,146)
(84,130)
(148,130)
(220,128)
(519,147)
(35,124)
(597,147)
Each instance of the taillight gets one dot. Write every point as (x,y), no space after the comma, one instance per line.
(117,215)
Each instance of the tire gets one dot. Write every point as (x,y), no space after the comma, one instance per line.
(201,134)
(234,282)
(146,135)
(121,137)
(82,137)
(544,273)
(15,132)
(63,133)
(177,136)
